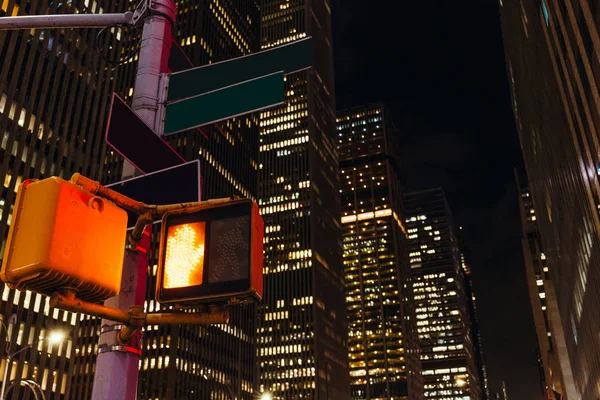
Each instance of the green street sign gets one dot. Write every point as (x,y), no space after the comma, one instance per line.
(224,103)
(292,57)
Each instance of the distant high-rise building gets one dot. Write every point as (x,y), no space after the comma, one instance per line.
(550,336)
(502,395)
(54,91)
(207,362)
(440,299)
(475,332)
(553,68)
(303,336)
(382,345)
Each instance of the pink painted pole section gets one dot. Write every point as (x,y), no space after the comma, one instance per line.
(116,376)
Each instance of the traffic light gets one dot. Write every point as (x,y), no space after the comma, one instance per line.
(211,254)
(62,236)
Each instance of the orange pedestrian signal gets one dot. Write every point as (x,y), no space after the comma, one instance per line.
(62,236)
(184,255)
(211,254)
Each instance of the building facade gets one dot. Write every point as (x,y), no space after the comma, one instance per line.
(54,92)
(54,86)
(303,337)
(552,357)
(218,361)
(440,299)
(552,50)
(475,331)
(382,345)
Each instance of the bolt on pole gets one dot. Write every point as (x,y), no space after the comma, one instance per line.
(117,366)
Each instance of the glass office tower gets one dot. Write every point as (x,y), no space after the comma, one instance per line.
(552,357)
(553,68)
(303,350)
(440,298)
(208,362)
(382,343)
(54,92)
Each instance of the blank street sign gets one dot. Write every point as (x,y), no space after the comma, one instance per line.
(292,57)
(225,103)
(129,136)
(179,184)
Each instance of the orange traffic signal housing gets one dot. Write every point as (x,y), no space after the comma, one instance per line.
(62,236)
(211,254)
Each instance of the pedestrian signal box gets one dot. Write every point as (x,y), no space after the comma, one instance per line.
(64,237)
(211,254)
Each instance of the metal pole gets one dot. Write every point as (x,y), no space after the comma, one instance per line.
(155,49)
(137,317)
(64,21)
(116,373)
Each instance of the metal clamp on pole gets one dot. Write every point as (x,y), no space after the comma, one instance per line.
(164,8)
(120,348)
(111,328)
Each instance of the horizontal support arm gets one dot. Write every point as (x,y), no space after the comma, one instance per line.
(73,304)
(212,317)
(147,213)
(65,21)
(122,201)
(70,303)
(152,212)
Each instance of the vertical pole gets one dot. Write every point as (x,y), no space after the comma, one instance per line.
(116,375)
(117,366)
(155,49)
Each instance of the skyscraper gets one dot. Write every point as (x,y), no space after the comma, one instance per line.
(552,62)
(382,345)
(475,332)
(440,298)
(219,361)
(553,359)
(303,335)
(54,92)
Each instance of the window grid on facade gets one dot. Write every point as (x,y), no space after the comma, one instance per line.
(440,299)
(302,338)
(555,106)
(54,92)
(382,347)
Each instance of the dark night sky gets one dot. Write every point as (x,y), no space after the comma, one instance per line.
(439,66)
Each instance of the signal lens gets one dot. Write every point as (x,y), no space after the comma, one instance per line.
(184,256)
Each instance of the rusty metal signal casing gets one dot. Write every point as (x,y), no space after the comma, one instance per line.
(211,254)
(64,237)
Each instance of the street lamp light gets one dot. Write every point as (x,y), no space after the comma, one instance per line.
(55,337)
(266,396)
